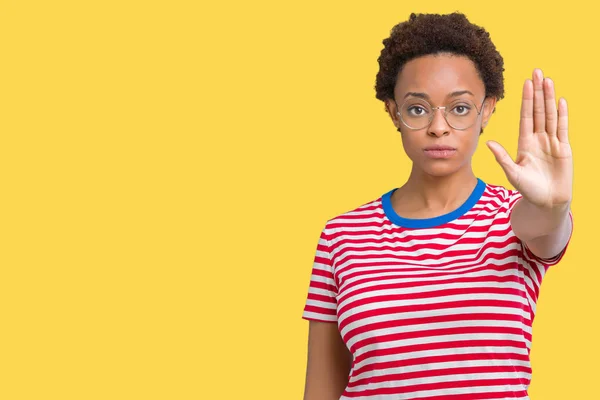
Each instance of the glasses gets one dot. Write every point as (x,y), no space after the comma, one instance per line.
(416,113)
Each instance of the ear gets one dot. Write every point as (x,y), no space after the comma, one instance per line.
(390,107)
(489,106)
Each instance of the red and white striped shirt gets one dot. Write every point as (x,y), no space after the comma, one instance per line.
(431,309)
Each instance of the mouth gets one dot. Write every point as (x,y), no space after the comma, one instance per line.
(439,148)
(439,152)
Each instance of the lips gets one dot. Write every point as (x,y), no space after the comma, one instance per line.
(439,152)
(439,148)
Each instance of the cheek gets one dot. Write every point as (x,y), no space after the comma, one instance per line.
(474,141)
(468,141)
(411,148)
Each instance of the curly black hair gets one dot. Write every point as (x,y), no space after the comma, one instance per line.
(425,34)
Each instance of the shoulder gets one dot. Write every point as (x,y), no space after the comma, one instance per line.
(355,221)
(502,197)
(368,210)
(499,191)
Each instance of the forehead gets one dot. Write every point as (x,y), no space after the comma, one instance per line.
(438,76)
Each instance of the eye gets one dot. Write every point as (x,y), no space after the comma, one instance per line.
(417,111)
(461,109)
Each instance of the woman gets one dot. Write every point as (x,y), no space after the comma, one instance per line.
(432,286)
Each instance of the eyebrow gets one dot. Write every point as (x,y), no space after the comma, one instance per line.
(426,96)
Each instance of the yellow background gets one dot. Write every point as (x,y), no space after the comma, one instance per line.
(166,169)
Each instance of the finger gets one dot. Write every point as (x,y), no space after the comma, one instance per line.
(504,159)
(526,124)
(550,103)
(539,113)
(563,121)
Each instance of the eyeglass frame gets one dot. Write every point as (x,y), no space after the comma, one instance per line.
(433,112)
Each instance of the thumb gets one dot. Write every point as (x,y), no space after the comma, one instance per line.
(503,158)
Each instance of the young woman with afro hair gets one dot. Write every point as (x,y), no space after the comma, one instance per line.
(429,291)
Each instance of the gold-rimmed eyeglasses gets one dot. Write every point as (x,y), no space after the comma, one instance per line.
(417,113)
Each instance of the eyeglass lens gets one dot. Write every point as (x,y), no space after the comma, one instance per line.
(417,113)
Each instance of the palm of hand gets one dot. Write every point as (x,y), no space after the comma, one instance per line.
(543,170)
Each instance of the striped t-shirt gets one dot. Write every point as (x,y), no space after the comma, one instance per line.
(431,309)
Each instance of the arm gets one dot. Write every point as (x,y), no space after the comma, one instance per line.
(543,171)
(329,362)
(545,231)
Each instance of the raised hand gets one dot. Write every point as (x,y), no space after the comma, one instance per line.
(543,170)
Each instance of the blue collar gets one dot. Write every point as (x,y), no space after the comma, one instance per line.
(435,221)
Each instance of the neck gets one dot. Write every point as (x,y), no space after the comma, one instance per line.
(438,194)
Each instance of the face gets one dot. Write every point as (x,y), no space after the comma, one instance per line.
(440,80)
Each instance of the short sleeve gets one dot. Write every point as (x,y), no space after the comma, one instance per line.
(321,302)
(535,267)
(514,196)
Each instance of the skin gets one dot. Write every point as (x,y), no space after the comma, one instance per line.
(438,186)
(542,172)
(434,187)
(328,364)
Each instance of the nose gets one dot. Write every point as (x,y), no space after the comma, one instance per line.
(439,126)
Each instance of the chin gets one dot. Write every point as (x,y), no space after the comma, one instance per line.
(440,169)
